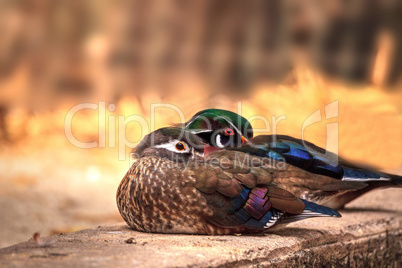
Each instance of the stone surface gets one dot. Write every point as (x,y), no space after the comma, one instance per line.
(369,234)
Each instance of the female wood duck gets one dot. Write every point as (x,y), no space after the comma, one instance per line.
(221,129)
(173,188)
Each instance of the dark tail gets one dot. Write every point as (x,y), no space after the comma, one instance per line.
(311,210)
(371,176)
(384,180)
(396,180)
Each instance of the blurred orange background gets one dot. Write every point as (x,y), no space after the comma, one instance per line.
(276,59)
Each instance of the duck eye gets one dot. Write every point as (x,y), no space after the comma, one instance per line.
(229,132)
(180,146)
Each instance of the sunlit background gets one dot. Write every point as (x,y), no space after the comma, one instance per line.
(277,59)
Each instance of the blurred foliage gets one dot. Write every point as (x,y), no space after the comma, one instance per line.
(208,53)
(110,48)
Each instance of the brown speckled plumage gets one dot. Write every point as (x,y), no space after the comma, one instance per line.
(156,196)
(200,195)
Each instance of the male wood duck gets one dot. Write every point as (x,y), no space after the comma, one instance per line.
(221,129)
(172,187)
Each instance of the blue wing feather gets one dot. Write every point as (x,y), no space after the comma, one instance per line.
(238,202)
(310,157)
(318,210)
(251,209)
(269,219)
(354,174)
(295,153)
(311,210)
(302,154)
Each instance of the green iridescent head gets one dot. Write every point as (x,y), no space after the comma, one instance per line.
(220,128)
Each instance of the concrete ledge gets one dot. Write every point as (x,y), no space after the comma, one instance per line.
(364,236)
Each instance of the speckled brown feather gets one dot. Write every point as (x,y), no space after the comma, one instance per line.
(159,195)
(155,196)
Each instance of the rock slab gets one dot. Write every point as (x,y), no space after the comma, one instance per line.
(368,235)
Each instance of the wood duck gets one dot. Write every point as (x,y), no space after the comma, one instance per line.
(221,129)
(172,187)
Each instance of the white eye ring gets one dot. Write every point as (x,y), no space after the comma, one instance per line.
(171,146)
(219,141)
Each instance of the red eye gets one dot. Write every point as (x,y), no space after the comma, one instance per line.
(229,132)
